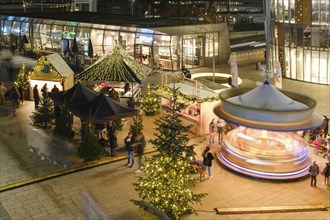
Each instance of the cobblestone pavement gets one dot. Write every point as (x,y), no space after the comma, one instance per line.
(111,185)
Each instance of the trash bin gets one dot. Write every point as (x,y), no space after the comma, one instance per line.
(258,64)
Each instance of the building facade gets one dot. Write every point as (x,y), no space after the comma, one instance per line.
(300,33)
(166,47)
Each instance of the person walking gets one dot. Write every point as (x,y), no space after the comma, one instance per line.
(3,91)
(220,126)
(326,172)
(21,93)
(313,172)
(113,143)
(129,141)
(325,125)
(139,143)
(207,160)
(14,94)
(36,96)
(212,130)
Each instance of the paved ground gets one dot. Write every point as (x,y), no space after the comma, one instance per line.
(111,185)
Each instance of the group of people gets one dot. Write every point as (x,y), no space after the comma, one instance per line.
(320,138)
(314,171)
(109,143)
(216,127)
(15,95)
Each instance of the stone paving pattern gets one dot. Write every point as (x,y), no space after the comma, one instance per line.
(111,185)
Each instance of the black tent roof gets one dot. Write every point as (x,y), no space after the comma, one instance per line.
(87,104)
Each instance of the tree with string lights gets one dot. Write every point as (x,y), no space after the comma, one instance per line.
(43,116)
(150,103)
(22,78)
(165,183)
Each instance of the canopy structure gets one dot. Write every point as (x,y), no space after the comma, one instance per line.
(266,107)
(90,105)
(265,144)
(115,67)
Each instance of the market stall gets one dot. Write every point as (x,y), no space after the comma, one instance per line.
(118,71)
(198,103)
(53,70)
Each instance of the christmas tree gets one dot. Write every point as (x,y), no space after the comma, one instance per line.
(90,148)
(22,78)
(150,103)
(63,126)
(43,116)
(136,126)
(166,181)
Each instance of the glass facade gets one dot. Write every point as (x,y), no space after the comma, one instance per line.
(300,36)
(150,47)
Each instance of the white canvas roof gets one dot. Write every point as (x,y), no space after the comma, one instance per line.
(59,64)
(267,97)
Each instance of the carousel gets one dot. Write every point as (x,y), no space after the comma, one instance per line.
(265,143)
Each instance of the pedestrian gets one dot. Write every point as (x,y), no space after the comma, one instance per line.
(14,94)
(113,143)
(3,91)
(55,89)
(111,127)
(207,160)
(220,126)
(313,172)
(129,141)
(139,143)
(325,125)
(212,129)
(44,90)
(99,126)
(21,93)
(36,96)
(326,172)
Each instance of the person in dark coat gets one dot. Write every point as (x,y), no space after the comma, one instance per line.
(111,127)
(207,160)
(326,172)
(113,143)
(21,92)
(55,89)
(36,96)
(14,94)
(129,141)
(139,143)
(313,172)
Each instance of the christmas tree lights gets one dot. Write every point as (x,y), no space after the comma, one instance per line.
(22,78)
(150,103)
(165,183)
(43,116)
(116,66)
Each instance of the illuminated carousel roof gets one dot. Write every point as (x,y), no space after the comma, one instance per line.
(266,107)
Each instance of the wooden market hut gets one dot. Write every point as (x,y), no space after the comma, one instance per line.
(53,70)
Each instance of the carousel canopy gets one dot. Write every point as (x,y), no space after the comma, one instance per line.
(87,104)
(267,97)
(115,67)
(266,107)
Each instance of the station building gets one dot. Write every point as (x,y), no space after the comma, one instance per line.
(300,33)
(167,47)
